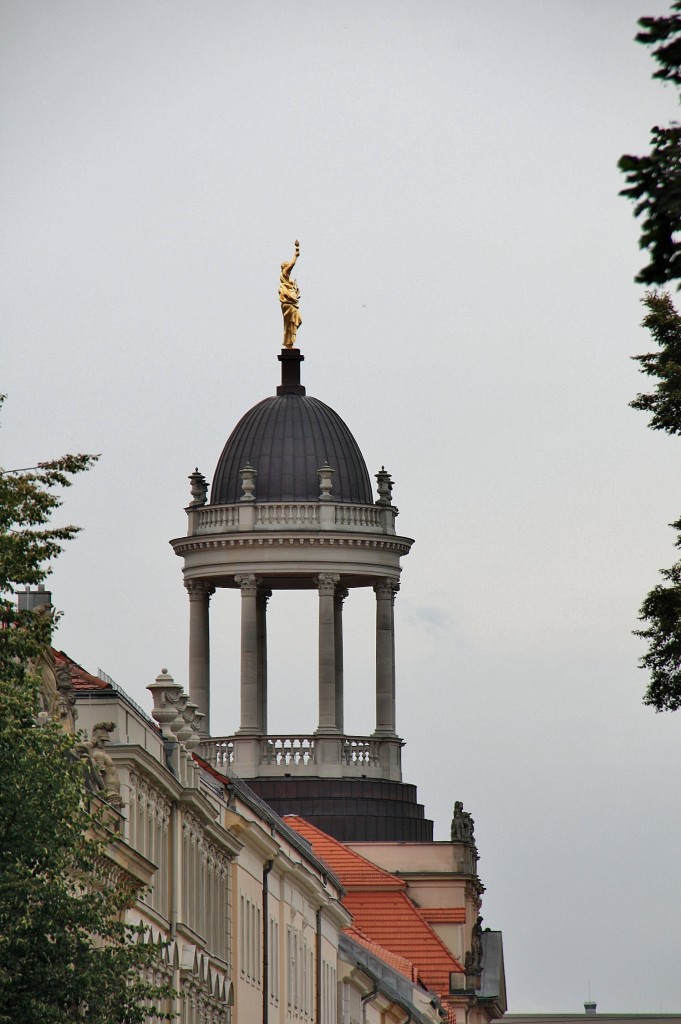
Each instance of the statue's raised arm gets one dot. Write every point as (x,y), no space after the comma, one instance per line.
(289,295)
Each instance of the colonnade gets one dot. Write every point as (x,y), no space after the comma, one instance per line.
(254,597)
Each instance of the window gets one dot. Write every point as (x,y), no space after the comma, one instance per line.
(328,993)
(250,941)
(352,1005)
(274,961)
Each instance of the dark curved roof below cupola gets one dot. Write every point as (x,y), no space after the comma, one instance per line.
(287,438)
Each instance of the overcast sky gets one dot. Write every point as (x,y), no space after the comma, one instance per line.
(466,271)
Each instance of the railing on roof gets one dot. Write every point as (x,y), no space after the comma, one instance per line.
(294,754)
(106,678)
(290,515)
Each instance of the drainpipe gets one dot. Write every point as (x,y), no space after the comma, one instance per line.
(370,996)
(318,972)
(265,943)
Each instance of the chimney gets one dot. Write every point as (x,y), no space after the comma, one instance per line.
(29,599)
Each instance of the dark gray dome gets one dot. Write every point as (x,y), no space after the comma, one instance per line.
(287,438)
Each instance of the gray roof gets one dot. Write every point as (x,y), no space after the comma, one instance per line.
(394,985)
(287,438)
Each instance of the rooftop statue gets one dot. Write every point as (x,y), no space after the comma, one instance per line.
(462,825)
(289,294)
(101,775)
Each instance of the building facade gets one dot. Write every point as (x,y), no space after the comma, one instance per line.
(247,848)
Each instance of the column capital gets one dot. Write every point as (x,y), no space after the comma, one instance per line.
(248,583)
(340,594)
(326,582)
(386,589)
(198,589)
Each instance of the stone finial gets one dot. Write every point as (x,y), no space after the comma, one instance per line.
(169,700)
(199,488)
(248,475)
(181,725)
(325,475)
(190,714)
(384,486)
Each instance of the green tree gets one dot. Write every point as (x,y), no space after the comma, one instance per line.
(66,954)
(661,609)
(654,181)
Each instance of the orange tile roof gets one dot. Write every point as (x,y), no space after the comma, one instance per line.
(392,920)
(81,679)
(381,909)
(444,915)
(355,871)
(398,963)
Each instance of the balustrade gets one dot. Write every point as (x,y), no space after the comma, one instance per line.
(286,516)
(364,516)
(288,750)
(219,752)
(297,751)
(360,750)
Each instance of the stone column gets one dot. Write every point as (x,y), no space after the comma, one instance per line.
(261,639)
(250,705)
(338,599)
(326,583)
(385,591)
(199,647)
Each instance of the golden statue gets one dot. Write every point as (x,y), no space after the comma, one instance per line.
(289,294)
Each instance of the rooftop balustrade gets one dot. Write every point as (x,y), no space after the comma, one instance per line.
(302,755)
(305,515)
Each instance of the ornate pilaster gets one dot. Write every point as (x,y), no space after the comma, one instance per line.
(385,591)
(250,703)
(200,592)
(326,584)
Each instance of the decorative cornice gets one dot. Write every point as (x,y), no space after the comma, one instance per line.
(185,545)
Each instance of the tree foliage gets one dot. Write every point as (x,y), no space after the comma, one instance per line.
(661,609)
(654,180)
(66,953)
(664,402)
